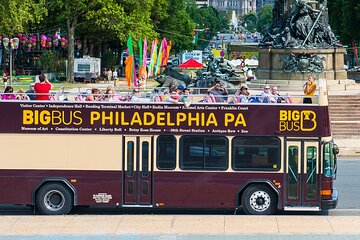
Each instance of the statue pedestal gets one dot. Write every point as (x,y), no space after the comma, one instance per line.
(271,66)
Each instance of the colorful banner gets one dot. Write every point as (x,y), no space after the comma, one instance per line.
(164,54)
(117,118)
(153,58)
(130,64)
(158,62)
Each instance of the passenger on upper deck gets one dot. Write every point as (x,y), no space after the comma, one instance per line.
(110,95)
(31,92)
(43,88)
(94,96)
(266,95)
(309,88)
(135,95)
(274,95)
(218,91)
(178,92)
(8,94)
(185,97)
(242,95)
(172,97)
(21,95)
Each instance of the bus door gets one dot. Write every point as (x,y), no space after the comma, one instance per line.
(137,174)
(302,176)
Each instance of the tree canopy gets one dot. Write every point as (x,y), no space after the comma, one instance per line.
(264,17)
(17,15)
(345,20)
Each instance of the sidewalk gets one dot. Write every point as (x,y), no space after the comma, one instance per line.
(178,224)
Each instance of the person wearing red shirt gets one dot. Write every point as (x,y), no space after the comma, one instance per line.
(42,88)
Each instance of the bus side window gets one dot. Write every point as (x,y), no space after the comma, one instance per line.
(256,153)
(166,152)
(203,153)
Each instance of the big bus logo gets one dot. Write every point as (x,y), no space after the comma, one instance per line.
(294,120)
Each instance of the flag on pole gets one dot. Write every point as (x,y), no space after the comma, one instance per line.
(164,45)
(144,57)
(158,62)
(140,43)
(168,48)
(129,62)
(153,58)
(142,71)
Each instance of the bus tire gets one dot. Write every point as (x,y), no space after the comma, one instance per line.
(54,199)
(259,200)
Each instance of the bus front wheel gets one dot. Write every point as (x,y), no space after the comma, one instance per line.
(54,199)
(259,200)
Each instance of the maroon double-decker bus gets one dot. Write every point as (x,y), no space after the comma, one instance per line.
(259,157)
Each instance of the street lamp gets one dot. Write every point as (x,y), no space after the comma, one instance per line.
(14,44)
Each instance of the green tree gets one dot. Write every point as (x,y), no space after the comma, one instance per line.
(17,14)
(207,18)
(172,21)
(345,20)
(264,17)
(115,18)
(250,22)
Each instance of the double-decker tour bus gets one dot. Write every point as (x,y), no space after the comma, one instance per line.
(57,155)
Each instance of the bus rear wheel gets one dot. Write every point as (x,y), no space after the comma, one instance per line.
(54,199)
(259,200)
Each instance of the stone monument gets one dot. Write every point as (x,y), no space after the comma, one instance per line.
(300,42)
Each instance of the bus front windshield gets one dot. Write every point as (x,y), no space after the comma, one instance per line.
(329,159)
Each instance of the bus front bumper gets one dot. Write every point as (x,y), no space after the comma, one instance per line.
(332,203)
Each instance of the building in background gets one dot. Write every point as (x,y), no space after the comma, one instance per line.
(239,6)
(202,3)
(260,3)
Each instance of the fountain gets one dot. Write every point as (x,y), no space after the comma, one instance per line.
(234,21)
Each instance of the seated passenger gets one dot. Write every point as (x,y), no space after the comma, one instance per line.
(172,97)
(157,96)
(110,95)
(31,92)
(185,97)
(21,95)
(265,96)
(242,95)
(219,91)
(136,96)
(179,92)
(94,96)
(274,95)
(8,94)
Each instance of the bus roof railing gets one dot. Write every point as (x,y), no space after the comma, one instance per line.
(149,94)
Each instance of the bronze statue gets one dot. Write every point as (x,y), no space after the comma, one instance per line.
(298,24)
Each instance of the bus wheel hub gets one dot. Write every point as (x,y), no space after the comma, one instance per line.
(260,201)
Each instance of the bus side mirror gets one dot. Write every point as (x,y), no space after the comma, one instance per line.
(336,149)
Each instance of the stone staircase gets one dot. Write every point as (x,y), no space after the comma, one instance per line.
(345,115)
(345,122)
(291,85)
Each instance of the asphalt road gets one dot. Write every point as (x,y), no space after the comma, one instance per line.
(348,184)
